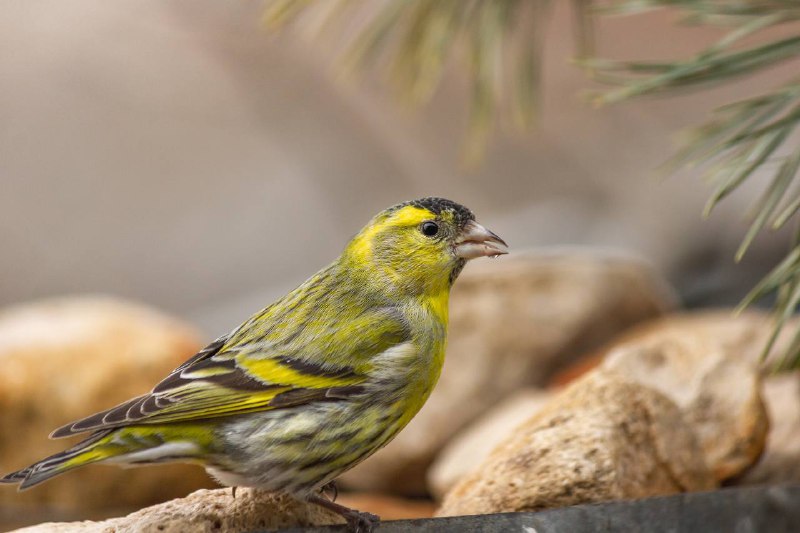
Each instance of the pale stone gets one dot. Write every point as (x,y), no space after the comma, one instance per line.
(780,462)
(602,438)
(66,358)
(706,364)
(207,511)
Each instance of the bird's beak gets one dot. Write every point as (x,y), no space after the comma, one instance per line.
(477,241)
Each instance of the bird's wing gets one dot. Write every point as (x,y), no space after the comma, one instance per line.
(231,377)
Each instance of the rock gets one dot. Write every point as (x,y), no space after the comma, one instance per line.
(66,358)
(474,443)
(747,332)
(780,462)
(580,367)
(207,511)
(706,364)
(251,510)
(602,438)
(744,334)
(513,322)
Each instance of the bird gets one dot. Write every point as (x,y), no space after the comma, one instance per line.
(314,383)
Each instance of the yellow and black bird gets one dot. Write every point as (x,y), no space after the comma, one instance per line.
(311,385)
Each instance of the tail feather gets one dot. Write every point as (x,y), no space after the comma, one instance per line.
(79,455)
(130,446)
(15,477)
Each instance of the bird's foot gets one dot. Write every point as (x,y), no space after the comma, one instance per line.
(361,522)
(357,521)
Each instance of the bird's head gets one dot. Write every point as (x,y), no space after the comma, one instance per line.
(422,245)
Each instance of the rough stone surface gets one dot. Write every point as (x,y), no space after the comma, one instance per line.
(743,335)
(705,363)
(780,461)
(602,438)
(66,358)
(475,442)
(513,322)
(206,511)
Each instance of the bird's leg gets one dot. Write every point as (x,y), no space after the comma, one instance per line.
(359,522)
(331,487)
(233,491)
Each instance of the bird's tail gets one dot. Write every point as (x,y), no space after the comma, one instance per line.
(83,453)
(133,445)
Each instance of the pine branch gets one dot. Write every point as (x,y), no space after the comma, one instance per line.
(739,140)
(498,42)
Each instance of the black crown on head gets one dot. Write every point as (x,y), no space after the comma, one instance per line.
(437,205)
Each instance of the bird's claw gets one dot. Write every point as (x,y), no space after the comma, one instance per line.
(359,522)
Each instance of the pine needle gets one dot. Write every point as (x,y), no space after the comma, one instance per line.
(740,139)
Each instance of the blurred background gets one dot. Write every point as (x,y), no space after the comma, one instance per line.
(178,154)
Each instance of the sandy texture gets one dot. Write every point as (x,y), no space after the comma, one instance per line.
(704,362)
(206,511)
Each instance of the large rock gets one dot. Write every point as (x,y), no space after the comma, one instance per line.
(207,511)
(66,358)
(707,364)
(742,334)
(474,443)
(780,462)
(513,322)
(602,438)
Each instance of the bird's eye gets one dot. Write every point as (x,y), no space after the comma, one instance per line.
(429,229)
